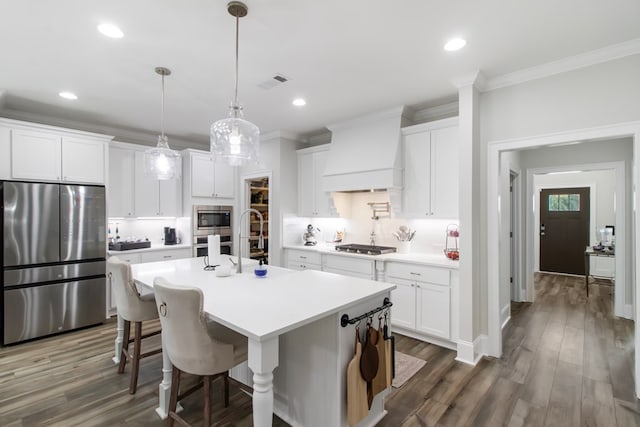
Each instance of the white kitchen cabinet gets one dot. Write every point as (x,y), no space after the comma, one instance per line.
(422,300)
(303,260)
(349,266)
(5,153)
(312,200)
(431,168)
(165,254)
(83,160)
(154,197)
(209,178)
(120,191)
(49,156)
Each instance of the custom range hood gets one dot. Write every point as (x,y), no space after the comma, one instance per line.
(365,153)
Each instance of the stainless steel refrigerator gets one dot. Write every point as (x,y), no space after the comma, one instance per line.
(53,259)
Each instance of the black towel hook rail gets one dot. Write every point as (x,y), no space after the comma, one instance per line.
(344,320)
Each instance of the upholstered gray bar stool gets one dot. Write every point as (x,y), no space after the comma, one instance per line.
(195,345)
(132,307)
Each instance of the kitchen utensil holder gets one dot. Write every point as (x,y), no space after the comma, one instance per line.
(345,321)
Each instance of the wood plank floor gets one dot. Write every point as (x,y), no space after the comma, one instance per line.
(567,361)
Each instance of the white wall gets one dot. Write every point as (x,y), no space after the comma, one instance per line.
(277,157)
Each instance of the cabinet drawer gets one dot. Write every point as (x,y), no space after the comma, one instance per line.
(298,265)
(346,263)
(421,273)
(130,258)
(165,255)
(307,257)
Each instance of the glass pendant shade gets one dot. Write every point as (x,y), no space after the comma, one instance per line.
(162,162)
(235,140)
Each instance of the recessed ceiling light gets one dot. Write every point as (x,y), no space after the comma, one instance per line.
(110,30)
(299,102)
(455,44)
(68,95)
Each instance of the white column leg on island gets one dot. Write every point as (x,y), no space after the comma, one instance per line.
(164,389)
(118,343)
(263,359)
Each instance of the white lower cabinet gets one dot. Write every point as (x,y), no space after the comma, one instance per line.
(303,260)
(349,266)
(422,299)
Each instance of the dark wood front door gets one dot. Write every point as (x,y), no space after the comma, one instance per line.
(564,229)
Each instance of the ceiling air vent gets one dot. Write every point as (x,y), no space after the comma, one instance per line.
(273,81)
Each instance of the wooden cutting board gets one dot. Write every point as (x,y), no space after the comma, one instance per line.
(379,383)
(357,407)
(388,356)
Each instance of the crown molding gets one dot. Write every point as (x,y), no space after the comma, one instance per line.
(3,98)
(437,112)
(281,134)
(119,134)
(609,53)
(399,111)
(473,78)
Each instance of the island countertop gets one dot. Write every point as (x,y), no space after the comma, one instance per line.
(263,307)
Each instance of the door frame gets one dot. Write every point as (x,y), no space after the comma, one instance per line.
(518,293)
(245,202)
(495,220)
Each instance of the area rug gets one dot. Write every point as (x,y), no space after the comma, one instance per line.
(406,367)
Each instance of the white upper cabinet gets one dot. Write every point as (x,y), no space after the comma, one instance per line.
(44,153)
(36,155)
(209,178)
(312,200)
(431,168)
(83,160)
(120,191)
(5,153)
(154,197)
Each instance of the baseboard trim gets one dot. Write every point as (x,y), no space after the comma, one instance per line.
(426,338)
(628,311)
(471,352)
(505,314)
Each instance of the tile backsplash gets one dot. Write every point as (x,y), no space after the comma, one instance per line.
(430,234)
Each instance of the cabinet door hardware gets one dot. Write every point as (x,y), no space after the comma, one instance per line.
(415,274)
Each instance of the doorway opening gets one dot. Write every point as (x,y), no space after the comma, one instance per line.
(258,192)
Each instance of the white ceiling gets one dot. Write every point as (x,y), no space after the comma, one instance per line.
(346,58)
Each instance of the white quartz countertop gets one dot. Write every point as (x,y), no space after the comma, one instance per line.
(437,260)
(263,307)
(151,249)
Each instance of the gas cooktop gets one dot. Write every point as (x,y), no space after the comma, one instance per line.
(365,249)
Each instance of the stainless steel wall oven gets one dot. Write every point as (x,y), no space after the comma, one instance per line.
(212,219)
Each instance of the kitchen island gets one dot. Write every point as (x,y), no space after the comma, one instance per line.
(298,352)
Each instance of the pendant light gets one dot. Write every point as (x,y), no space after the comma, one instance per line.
(161,161)
(235,140)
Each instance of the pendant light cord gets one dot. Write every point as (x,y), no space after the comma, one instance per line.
(162,110)
(237,43)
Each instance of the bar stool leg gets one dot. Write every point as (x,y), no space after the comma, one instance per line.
(173,397)
(125,346)
(207,400)
(135,360)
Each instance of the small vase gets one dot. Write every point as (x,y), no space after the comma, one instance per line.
(405,247)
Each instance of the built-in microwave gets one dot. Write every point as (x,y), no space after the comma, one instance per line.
(208,220)
(212,220)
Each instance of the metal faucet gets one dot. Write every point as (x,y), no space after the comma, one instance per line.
(260,238)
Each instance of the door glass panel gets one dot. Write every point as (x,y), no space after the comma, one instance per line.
(574,202)
(553,202)
(563,202)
